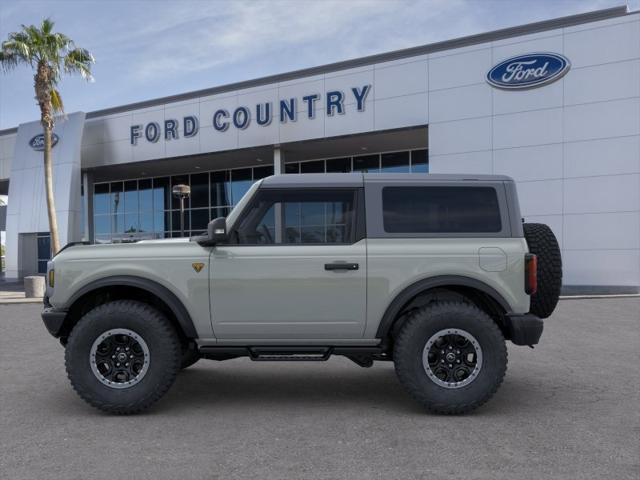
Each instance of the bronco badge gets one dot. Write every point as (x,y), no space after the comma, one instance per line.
(197,266)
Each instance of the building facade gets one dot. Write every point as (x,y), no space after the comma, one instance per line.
(555,105)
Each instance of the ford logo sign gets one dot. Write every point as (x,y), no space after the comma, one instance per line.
(528,71)
(37,142)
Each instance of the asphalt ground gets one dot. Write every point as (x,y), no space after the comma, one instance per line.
(570,409)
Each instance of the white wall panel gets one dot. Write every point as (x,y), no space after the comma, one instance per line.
(540,198)
(212,140)
(460,103)
(352,121)
(403,79)
(613,193)
(460,69)
(602,82)
(609,156)
(471,162)
(527,128)
(546,42)
(460,136)
(603,45)
(507,101)
(117,127)
(529,163)
(397,112)
(601,267)
(601,120)
(595,231)
(344,82)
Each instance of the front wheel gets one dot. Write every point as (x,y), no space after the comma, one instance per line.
(122,356)
(450,356)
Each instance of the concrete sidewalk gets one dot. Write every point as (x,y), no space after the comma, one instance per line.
(13,292)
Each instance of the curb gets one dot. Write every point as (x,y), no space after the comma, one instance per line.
(14,301)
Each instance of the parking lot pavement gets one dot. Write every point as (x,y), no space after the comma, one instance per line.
(567,410)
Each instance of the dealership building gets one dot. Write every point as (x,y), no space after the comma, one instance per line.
(553,104)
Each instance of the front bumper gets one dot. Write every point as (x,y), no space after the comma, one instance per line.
(524,329)
(54,320)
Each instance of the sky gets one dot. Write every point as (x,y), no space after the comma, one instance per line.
(147,49)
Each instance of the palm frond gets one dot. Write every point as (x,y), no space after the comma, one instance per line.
(79,60)
(56,101)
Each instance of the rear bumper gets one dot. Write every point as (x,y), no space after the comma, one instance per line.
(54,320)
(524,329)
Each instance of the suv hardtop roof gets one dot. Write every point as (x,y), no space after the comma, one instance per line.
(358,179)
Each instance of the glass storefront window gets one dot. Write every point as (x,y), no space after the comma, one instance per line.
(366,163)
(145,195)
(312,167)
(161,194)
(291,168)
(200,190)
(420,161)
(340,165)
(140,209)
(261,172)
(199,219)
(396,162)
(101,198)
(220,188)
(241,180)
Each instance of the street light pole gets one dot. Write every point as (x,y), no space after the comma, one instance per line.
(182,192)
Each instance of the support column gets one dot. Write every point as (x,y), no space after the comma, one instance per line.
(278,160)
(87,204)
(278,169)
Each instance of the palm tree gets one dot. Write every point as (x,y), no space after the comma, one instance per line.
(50,55)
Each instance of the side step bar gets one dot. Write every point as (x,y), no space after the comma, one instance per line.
(294,354)
(363,356)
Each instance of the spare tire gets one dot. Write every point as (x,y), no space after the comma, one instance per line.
(542,242)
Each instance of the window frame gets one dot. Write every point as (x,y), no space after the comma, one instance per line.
(356,222)
(375,212)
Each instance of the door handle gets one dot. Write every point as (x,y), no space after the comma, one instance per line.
(341,266)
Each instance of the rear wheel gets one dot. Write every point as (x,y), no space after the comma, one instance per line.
(542,242)
(451,357)
(122,356)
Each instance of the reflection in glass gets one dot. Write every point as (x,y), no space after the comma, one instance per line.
(101,198)
(339,165)
(131,196)
(397,162)
(420,161)
(200,190)
(220,189)
(161,194)
(241,180)
(366,163)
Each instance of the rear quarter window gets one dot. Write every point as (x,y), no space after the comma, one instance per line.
(441,209)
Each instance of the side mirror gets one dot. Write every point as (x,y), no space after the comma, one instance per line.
(217,230)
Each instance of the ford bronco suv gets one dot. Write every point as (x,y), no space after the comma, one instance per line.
(432,272)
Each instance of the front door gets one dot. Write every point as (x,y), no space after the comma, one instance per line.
(296,268)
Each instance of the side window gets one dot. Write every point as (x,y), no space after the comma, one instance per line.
(291,217)
(434,209)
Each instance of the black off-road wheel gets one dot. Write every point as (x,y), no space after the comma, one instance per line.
(122,356)
(543,243)
(450,356)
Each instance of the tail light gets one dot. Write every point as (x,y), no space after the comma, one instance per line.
(530,273)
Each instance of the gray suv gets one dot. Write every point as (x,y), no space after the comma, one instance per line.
(432,272)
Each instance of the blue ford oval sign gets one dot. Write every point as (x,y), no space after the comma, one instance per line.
(528,71)
(37,142)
